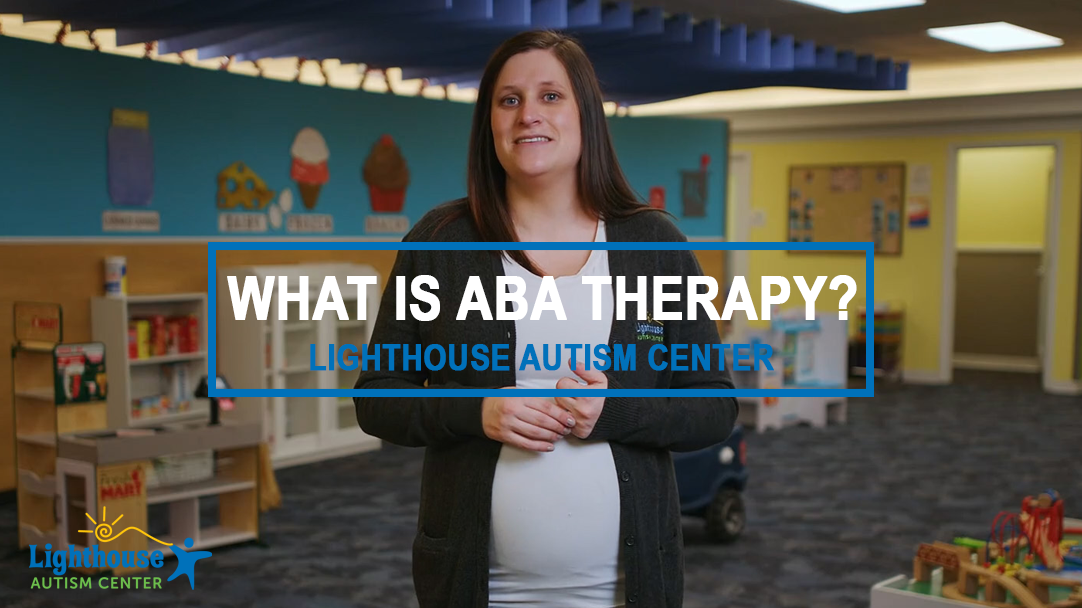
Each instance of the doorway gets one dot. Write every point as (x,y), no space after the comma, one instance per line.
(738,230)
(1004,204)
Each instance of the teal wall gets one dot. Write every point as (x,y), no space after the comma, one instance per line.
(55,113)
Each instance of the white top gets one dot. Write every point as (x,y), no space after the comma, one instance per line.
(556,515)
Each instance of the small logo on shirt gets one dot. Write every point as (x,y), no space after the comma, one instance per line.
(650,330)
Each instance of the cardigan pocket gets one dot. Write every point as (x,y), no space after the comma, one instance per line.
(433,570)
(671,555)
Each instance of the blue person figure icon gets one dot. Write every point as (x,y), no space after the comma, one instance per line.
(186,561)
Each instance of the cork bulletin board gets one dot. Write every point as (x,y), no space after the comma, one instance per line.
(848,203)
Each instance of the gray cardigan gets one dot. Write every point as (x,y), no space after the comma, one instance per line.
(450,549)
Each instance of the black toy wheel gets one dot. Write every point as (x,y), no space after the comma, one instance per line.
(725,516)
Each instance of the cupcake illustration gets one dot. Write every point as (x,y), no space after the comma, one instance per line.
(309,170)
(387,176)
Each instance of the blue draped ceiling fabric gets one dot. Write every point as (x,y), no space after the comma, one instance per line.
(641,55)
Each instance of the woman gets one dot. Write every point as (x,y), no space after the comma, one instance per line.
(534,501)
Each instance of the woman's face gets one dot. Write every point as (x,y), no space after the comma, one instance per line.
(535,117)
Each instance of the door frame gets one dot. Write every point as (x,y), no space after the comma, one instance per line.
(738,229)
(950,254)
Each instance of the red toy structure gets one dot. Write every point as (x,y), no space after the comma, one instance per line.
(1042,522)
(1005,537)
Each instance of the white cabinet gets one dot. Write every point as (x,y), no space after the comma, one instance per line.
(277,353)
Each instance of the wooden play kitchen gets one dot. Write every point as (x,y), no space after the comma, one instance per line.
(81,483)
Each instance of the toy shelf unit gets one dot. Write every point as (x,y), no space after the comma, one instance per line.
(805,354)
(106,475)
(276,353)
(157,350)
(57,388)
(888,327)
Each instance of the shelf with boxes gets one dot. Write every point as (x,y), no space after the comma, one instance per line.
(157,349)
(888,328)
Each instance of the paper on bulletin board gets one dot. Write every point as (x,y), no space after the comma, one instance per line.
(920,180)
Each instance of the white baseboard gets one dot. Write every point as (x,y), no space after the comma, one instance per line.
(923,376)
(1063,387)
(999,363)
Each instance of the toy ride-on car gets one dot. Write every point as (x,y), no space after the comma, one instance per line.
(711,481)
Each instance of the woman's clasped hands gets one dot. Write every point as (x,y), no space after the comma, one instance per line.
(537,423)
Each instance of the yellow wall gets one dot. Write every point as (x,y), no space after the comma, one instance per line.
(1003,195)
(914,278)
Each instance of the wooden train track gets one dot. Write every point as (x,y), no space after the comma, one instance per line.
(998,585)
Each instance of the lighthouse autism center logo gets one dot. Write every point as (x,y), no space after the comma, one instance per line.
(95,556)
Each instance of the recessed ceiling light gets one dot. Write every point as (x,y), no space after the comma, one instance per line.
(995,37)
(859,6)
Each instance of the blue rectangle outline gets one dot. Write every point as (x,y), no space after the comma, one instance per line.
(212,302)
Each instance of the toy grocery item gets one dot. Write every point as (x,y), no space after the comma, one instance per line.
(239,186)
(80,373)
(309,168)
(387,176)
(158,335)
(116,275)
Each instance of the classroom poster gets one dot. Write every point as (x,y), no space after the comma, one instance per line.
(918,202)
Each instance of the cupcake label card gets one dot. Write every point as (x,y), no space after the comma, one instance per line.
(386,224)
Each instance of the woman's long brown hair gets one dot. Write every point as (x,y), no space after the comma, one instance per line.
(603,187)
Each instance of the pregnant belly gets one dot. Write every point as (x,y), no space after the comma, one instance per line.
(556,514)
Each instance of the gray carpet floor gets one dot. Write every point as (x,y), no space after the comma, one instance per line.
(830,511)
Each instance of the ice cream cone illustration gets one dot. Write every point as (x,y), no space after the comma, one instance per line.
(387,176)
(309,169)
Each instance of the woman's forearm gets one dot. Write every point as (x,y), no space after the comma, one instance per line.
(417,421)
(680,424)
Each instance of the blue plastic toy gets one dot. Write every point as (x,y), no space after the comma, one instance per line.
(711,482)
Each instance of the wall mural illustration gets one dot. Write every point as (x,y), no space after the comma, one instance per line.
(310,155)
(131,159)
(240,186)
(387,176)
(269,157)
